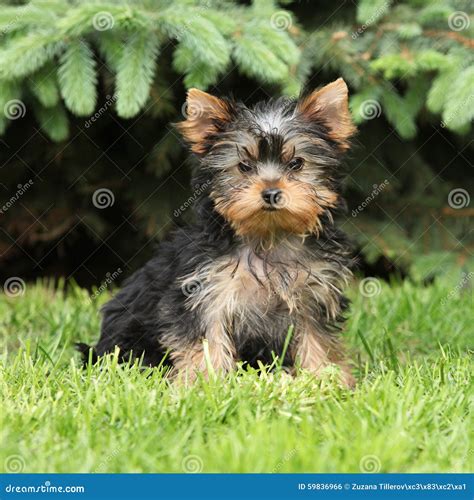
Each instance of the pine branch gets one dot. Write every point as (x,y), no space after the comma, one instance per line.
(256,60)
(43,84)
(24,55)
(53,122)
(459,108)
(77,78)
(135,73)
(197,33)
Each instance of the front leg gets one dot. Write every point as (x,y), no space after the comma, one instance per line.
(213,353)
(314,350)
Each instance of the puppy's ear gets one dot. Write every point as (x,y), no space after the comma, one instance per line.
(205,115)
(329,106)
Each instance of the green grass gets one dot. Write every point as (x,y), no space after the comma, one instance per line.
(409,412)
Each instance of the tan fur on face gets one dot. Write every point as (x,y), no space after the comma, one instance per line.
(302,207)
(330,105)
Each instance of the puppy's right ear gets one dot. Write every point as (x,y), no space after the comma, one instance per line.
(205,116)
(330,107)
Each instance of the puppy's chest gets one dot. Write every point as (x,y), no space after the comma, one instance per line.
(248,285)
(251,283)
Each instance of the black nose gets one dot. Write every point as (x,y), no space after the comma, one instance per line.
(271,196)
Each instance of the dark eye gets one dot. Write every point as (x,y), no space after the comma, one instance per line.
(245,168)
(296,164)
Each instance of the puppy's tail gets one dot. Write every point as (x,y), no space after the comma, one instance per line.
(89,354)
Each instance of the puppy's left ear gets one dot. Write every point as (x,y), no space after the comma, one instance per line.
(205,116)
(329,106)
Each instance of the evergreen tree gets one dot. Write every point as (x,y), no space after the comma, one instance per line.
(96,83)
(410,66)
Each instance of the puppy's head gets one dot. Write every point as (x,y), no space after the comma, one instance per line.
(273,167)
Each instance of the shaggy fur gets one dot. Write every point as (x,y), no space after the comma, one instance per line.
(263,253)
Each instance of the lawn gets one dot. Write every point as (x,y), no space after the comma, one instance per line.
(409,412)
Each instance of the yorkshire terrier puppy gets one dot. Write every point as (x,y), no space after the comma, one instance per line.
(262,259)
